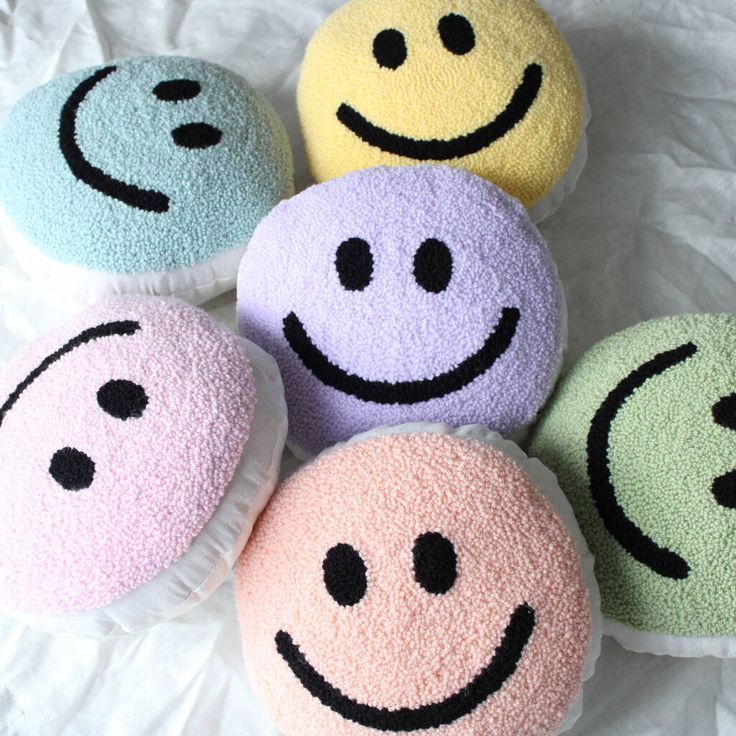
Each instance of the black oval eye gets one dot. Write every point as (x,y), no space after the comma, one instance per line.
(354,264)
(177,90)
(72,469)
(435,563)
(122,399)
(389,48)
(196,135)
(457,34)
(724,489)
(433,266)
(345,575)
(724,412)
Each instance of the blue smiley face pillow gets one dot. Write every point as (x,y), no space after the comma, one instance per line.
(147,175)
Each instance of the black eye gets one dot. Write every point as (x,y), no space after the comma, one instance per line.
(724,490)
(457,34)
(72,469)
(122,399)
(433,266)
(435,563)
(345,575)
(196,135)
(354,264)
(724,412)
(389,48)
(177,90)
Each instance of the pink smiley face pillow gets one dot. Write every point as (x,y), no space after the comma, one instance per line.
(138,444)
(419,579)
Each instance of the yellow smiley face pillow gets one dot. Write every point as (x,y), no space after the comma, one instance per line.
(485,85)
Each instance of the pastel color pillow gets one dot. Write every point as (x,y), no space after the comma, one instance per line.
(404,294)
(138,444)
(485,85)
(418,578)
(641,435)
(146,175)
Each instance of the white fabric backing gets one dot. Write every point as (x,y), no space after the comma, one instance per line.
(83,287)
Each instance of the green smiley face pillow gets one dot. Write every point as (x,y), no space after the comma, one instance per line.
(642,436)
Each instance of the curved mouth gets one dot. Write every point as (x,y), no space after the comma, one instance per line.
(142,199)
(488,681)
(443,150)
(641,547)
(108,329)
(401,392)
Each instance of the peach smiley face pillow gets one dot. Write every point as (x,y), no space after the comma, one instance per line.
(138,443)
(419,579)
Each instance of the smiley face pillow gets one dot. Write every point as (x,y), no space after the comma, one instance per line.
(419,579)
(404,294)
(141,176)
(485,85)
(641,435)
(138,444)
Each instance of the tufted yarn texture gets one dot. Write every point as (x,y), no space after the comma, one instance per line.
(119,435)
(485,85)
(403,294)
(149,164)
(449,539)
(641,436)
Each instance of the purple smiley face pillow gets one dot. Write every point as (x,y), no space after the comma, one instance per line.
(404,294)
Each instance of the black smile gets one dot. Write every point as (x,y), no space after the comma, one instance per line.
(488,681)
(142,199)
(401,392)
(641,547)
(108,329)
(443,150)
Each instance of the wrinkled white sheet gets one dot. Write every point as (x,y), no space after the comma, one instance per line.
(651,230)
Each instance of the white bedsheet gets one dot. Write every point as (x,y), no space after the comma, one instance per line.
(651,230)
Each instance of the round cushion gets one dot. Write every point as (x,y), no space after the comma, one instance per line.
(641,436)
(141,176)
(485,85)
(404,294)
(418,579)
(122,435)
